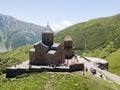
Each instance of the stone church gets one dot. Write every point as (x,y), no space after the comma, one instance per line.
(47,52)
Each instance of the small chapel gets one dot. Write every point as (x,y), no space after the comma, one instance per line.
(47,52)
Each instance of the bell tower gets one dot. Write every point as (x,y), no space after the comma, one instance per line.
(47,36)
(68,47)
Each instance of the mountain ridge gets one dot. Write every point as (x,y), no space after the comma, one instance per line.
(15,33)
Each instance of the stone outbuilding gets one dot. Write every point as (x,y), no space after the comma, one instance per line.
(101,63)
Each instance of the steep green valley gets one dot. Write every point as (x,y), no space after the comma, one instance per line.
(97,38)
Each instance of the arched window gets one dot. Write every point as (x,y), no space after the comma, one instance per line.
(68,46)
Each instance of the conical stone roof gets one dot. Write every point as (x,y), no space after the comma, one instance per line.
(68,38)
(47,30)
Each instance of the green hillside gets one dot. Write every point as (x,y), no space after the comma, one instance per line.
(15,33)
(114,62)
(37,81)
(60,81)
(13,57)
(97,37)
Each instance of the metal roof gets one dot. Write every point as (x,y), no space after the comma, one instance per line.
(52,52)
(44,45)
(40,43)
(47,30)
(32,50)
(55,45)
(36,43)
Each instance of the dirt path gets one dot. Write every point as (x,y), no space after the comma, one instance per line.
(50,81)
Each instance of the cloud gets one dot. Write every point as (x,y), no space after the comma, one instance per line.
(66,23)
(61,25)
(56,27)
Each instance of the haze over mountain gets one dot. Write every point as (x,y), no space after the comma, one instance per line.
(15,33)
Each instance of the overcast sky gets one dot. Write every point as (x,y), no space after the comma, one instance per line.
(58,13)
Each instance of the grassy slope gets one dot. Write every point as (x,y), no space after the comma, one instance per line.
(13,57)
(114,62)
(75,81)
(72,81)
(37,81)
(34,81)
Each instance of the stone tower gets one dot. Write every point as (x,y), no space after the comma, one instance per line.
(47,36)
(68,47)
